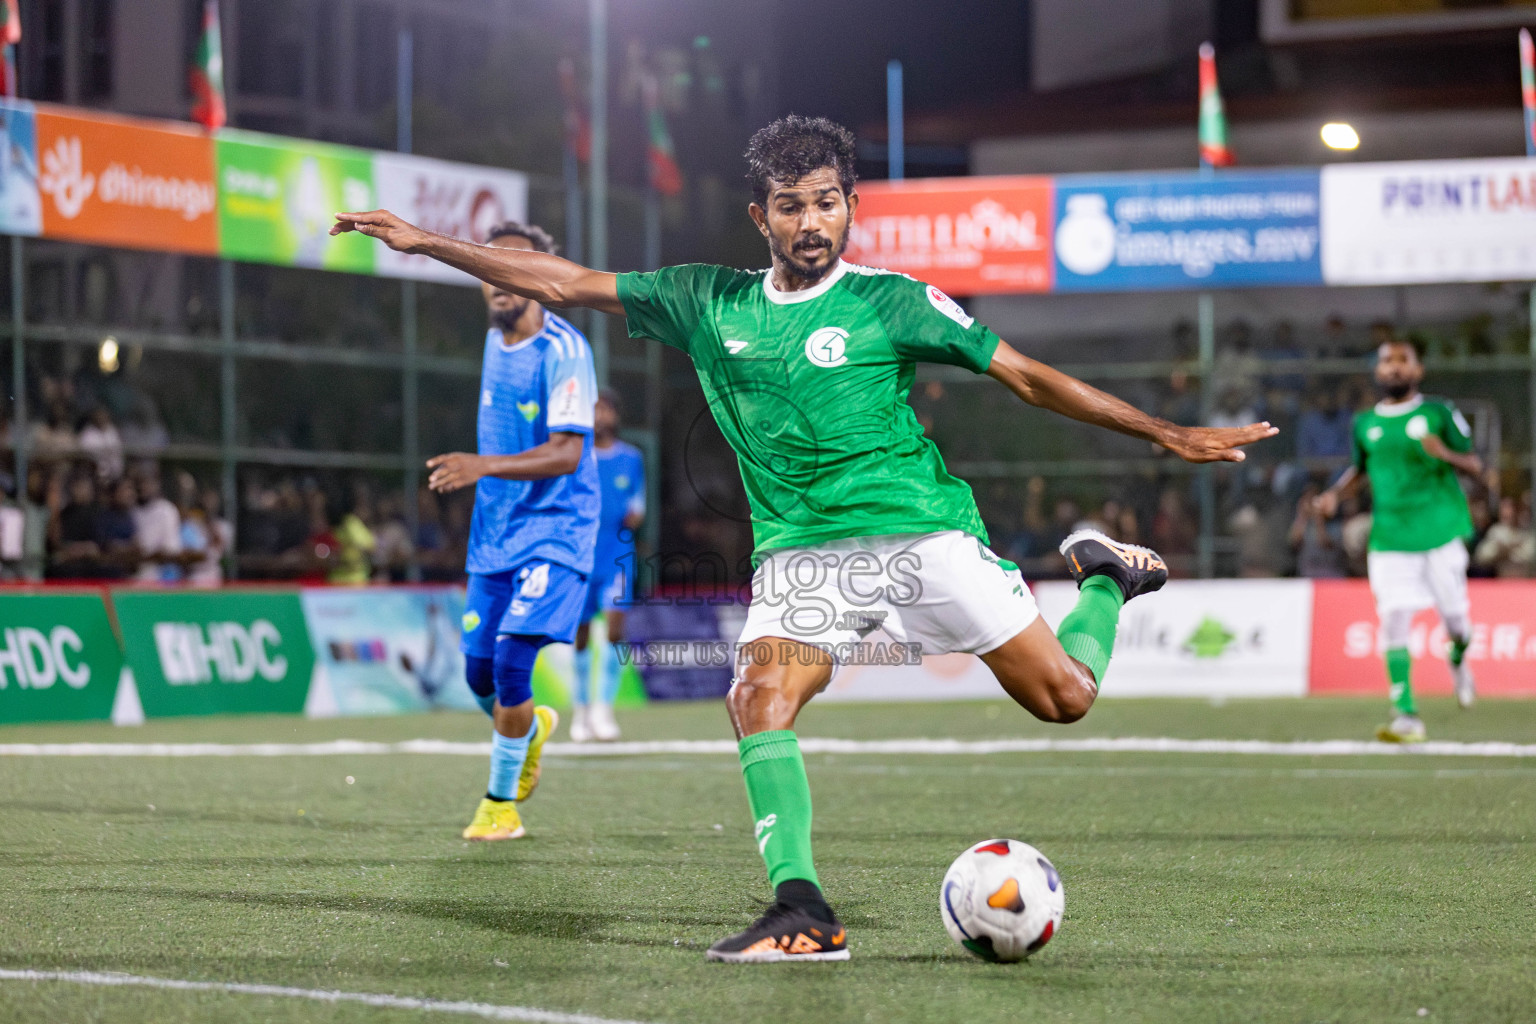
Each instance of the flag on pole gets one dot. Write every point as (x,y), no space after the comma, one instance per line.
(578,130)
(11,36)
(207,72)
(666,177)
(1213,118)
(1528,89)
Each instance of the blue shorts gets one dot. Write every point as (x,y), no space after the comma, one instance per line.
(538,598)
(612,585)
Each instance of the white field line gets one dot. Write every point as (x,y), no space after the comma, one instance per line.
(1122,744)
(485,1011)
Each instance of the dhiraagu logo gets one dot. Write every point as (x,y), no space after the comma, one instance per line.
(1210,639)
(528,409)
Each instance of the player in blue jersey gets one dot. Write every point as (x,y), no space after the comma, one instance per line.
(621,472)
(534,528)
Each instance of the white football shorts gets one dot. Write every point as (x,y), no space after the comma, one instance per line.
(1411,580)
(942,592)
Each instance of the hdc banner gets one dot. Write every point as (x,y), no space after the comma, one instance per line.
(1346,647)
(59,660)
(452,199)
(224,652)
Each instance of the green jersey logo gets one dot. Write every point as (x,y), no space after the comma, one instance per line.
(1210,639)
(528,409)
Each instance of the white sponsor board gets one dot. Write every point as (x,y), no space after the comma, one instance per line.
(452,199)
(1425,221)
(1205,638)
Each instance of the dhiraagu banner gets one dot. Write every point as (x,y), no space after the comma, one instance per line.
(278,197)
(213,653)
(59,661)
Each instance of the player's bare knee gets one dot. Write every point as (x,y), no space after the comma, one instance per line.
(753,698)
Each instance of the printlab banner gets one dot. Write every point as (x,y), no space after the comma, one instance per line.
(1428,221)
(59,661)
(967,236)
(216,653)
(1151,231)
(1346,645)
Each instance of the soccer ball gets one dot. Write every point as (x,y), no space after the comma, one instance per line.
(1002,900)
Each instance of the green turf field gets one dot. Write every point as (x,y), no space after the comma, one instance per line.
(1200,887)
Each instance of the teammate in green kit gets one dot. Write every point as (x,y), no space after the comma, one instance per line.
(1410,447)
(856,523)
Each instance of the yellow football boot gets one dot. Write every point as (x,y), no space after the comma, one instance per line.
(495,819)
(545,719)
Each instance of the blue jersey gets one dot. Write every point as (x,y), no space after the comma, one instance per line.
(541,385)
(621,469)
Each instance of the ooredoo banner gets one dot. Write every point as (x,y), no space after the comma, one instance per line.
(1134,232)
(1346,643)
(59,661)
(122,182)
(1425,221)
(967,236)
(225,652)
(460,200)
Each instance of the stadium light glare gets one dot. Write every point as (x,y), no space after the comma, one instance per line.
(1338,135)
(106,357)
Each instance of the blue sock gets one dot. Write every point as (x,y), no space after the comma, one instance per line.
(507,756)
(608,680)
(583,678)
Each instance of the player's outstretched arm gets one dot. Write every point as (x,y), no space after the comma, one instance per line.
(547,280)
(560,455)
(1040,385)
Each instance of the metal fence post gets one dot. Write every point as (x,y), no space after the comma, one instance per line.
(227,411)
(1207,549)
(21,433)
(410,421)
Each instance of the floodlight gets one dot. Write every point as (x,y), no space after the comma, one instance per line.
(1338,135)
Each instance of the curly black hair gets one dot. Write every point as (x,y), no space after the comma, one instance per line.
(541,240)
(794,146)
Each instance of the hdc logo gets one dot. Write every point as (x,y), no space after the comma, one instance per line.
(191,654)
(38,660)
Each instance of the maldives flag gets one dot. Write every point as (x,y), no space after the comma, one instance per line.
(10,36)
(578,130)
(1527,90)
(207,73)
(1213,118)
(666,176)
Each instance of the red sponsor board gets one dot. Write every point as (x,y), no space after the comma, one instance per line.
(968,236)
(1346,648)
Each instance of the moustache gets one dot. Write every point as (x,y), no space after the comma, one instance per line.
(814,242)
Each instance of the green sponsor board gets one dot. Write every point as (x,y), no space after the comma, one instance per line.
(215,653)
(59,660)
(277,201)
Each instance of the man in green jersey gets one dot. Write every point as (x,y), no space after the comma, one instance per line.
(857,524)
(1410,447)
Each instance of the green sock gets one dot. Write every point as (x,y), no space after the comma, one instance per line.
(1458,650)
(1399,664)
(1088,631)
(780,796)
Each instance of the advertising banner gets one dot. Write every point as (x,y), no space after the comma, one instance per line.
(1346,647)
(1420,222)
(966,236)
(21,209)
(1205,638)
(59,660)
(384,650)
(278,198)
(136,184)
(1148,231)
(214,653)
(452,199)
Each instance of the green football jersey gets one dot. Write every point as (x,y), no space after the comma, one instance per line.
(1416,501)
(810,390)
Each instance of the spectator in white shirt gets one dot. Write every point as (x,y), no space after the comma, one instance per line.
(100,440)
(157,532)
(213,540)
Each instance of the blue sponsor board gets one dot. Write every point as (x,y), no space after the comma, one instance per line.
(1230,229)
